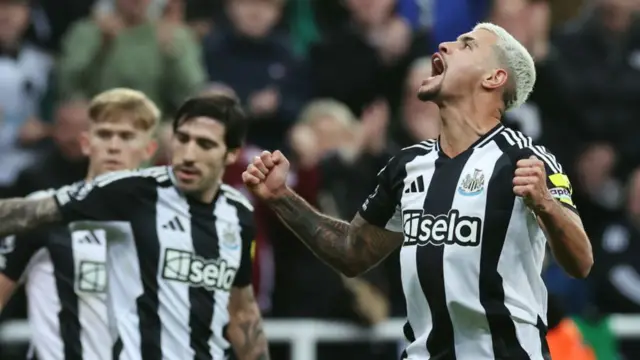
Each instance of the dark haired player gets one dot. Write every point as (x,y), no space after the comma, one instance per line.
(179,242)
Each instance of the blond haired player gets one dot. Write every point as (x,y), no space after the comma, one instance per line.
(63,271)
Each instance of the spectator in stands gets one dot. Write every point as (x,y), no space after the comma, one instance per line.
(257,61)
(24,81)
(50,20)
(564,338)
(326,138)
(62,161)
(616,273)
(126,48)
(367,57)
(597,69)
(416,120)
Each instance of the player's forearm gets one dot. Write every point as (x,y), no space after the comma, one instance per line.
(18,215)
(246,334)
(568,240)
(326,237)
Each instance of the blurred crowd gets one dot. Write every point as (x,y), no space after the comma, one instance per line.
(333,83)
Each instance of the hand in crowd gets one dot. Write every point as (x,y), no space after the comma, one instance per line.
(32,131)
(392,39)
(372,135)
(369,303)
(110,25)
(304,143)
(264,102)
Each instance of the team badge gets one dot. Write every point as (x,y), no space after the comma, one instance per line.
(230,239)
(472,184)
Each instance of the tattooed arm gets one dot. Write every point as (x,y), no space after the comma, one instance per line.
(351,248)
(245,326)
(18,215)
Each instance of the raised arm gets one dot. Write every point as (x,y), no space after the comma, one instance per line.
(351,248)
(19,214)
(245,332)
(547,191)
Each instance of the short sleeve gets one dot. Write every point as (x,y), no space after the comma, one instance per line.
(558,182)
(107,198)
(16,254)
(382,208)
(245,270)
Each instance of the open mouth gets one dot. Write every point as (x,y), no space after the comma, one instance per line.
(437,65)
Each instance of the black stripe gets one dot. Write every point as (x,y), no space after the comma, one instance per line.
(61,253)
(180,227)
(499,207)
(206,246)
(420,183)
(117,349)
(544,346)
(148,250)
(429,258)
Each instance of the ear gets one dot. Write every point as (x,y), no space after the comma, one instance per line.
(495,79)
(150,149)
(85,143)
(231,157)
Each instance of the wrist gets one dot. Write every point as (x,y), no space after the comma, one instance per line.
(278,195)
(547,207)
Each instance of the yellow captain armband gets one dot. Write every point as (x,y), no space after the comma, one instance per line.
(561,189)
(253,249)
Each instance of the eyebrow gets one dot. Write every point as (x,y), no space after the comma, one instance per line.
(468,39)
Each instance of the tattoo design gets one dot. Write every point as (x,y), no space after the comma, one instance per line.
(350,248)
(18,215)
(246,332)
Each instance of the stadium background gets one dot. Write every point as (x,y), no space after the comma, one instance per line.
(333,82)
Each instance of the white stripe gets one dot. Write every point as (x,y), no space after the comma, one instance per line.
(539,151)
(124,286)
(491,136)
(227,222)
(418,311)
(508,137)
(529,338)
(515,137)
(462,288)
(173,295)
(43,306)
(552,158)
(236,195)
(90,286)
(525,292)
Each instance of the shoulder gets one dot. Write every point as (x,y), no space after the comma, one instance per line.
(182,33)
(157,175)
(399,161)
(242,205)
(41,194)
(518,146)
(236,198)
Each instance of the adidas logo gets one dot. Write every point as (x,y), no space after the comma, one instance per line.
(174,224)
(417,186)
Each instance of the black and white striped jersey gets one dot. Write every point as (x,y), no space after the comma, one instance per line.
(65,280)
(472,256)
(172,261)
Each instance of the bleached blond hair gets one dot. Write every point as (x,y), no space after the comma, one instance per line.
(518,62)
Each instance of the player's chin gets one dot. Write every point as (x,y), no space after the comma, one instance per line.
(428,93)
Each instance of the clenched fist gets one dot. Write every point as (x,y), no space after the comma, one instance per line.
(266,177)
(530,183)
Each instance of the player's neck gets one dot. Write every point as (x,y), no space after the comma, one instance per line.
(461,126)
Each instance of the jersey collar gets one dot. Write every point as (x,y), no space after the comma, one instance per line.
(482,141)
